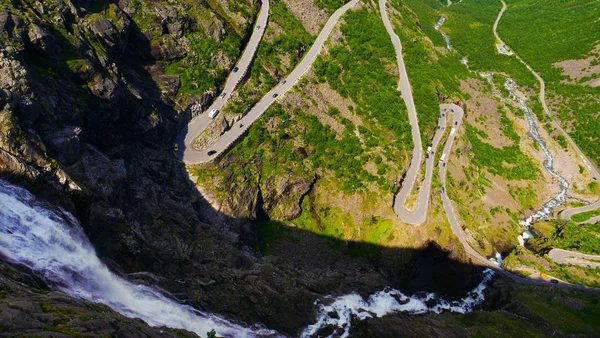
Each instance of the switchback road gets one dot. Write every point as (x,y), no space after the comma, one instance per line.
(187,136)
(419,215)
(535,279)
(593,171)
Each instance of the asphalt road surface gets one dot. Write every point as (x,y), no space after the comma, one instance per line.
(561,256)
(593,171)
(187,136)
(419,215)
(535,279)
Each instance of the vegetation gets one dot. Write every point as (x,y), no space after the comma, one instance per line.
(469,26)
(508,162)
(583,238)
(432,75)
(280,50)
(533,311)
(356,73)
(545,32)
(199,71)
(584,216)
(330,5)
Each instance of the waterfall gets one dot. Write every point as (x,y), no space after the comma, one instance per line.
(55,247)
(559,199)
(340,311)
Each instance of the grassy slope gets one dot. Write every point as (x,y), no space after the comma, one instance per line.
(278,53)
(432,74)
(547,31)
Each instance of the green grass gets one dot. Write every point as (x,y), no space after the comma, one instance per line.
(507,162)
(527,197)
(331,223)
(330,5)
(544,32)
(199,71)
(357,73)
(566,235)
(432,75)
(584,216)
(469,26)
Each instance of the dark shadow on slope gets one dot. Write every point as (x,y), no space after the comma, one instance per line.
(143,213)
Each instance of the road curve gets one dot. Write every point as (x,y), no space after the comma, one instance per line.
(593,171)
(535,279)
(561,256)
(188,135)
(419,215)
(566,214)
(189,155)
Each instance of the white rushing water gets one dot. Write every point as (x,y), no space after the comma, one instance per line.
(559,199)
(55,247)
(437,27)
(340,310)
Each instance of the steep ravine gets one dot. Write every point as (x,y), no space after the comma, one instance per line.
(90,132)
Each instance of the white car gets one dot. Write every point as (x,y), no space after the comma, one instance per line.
(213,113)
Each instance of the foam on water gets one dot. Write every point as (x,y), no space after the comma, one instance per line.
(340,311)
(437,27)
(559,199)
(55,247)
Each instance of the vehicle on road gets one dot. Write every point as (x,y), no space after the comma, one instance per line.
(443,157)
(284,81)
(223,94)
(241,125)
(175,147)
(211,152)
(235,69)
(213,113)
(429,149)
(455,123)
(427,156)
(553,281)
(275,95)
(257,27)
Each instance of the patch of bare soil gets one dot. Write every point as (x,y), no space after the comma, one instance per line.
(311,16)
(332,98)
(240,20)
(484,201)
(578,69)
(215,130)
(310,101)
(487,118)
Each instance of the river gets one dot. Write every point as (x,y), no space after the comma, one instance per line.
(54,246)
(437,27)
(561,197)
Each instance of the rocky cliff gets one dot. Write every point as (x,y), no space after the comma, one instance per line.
(91,95)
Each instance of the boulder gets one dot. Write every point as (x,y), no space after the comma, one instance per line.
(66,144)
(43,42)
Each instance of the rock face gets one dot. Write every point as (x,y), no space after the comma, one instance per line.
(87,115)
(28,308)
